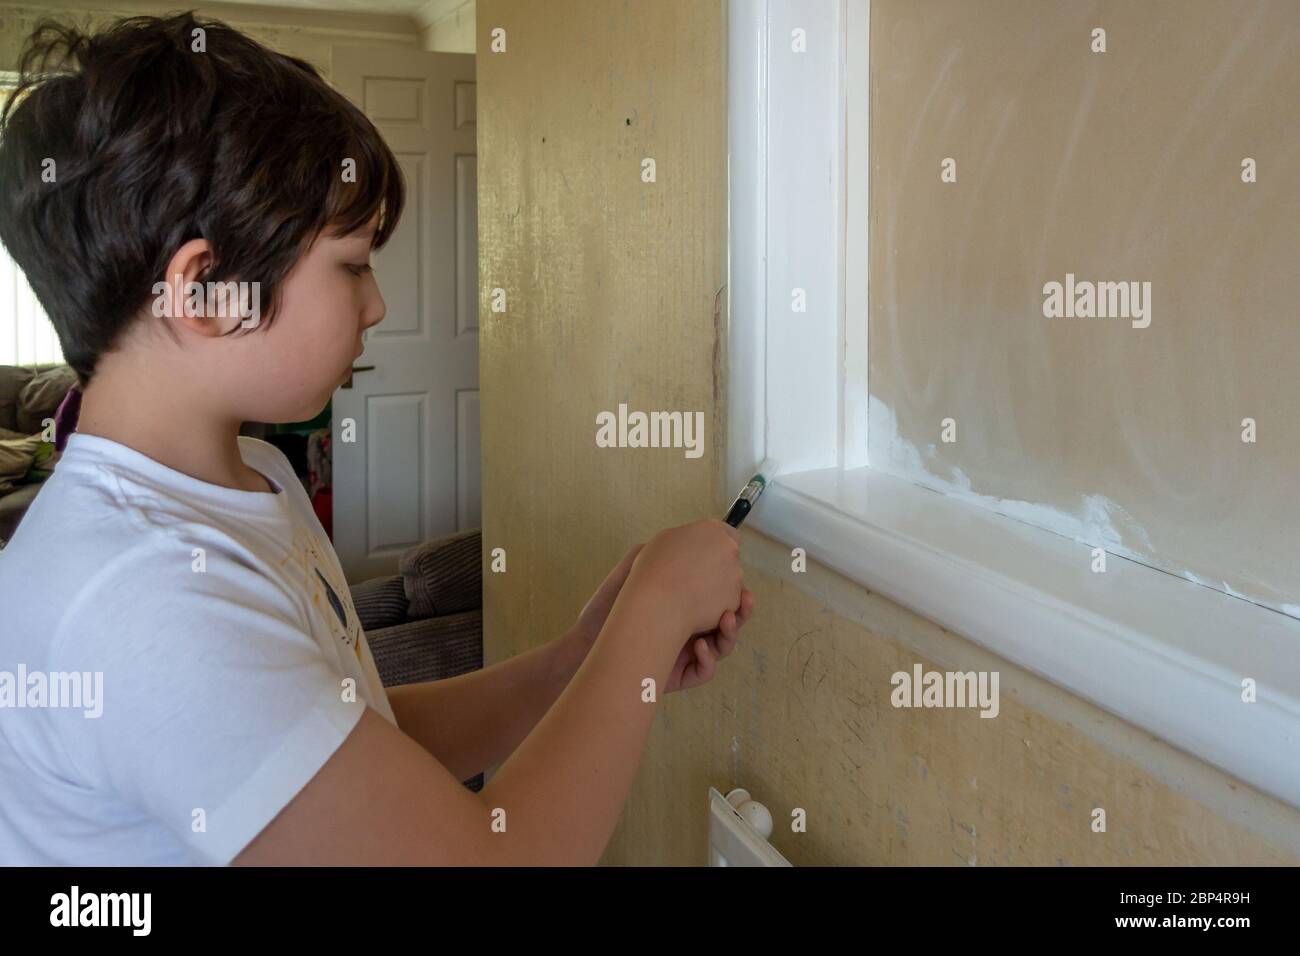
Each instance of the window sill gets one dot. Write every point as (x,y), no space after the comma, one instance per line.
(1158,651)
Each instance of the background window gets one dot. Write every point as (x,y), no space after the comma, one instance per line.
(26,335)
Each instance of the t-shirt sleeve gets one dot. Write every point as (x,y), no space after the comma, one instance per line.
(217,707)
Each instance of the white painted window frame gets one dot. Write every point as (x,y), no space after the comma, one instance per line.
(1161,652)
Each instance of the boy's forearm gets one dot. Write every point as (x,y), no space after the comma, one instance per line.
(475,721)
(563,789)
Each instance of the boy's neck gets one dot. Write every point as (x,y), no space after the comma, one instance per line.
(164,427)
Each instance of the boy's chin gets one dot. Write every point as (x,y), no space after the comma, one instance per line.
(301,407)
(305,413)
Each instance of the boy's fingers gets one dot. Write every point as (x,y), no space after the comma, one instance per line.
(727,633)
(727,624)
(726,642)
(704,661)
(746,607)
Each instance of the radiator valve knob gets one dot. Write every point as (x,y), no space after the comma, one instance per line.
(751,811)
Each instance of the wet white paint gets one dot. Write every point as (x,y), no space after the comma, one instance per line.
(1099,522)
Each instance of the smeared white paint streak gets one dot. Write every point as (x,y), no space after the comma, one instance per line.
(1094,524)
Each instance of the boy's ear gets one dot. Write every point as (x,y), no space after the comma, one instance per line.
(183,296)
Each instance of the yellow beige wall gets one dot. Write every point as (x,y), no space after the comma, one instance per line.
(612,296)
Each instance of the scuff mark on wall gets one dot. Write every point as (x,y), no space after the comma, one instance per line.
(718,339)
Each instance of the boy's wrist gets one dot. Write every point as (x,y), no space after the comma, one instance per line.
(568,651)
(652,618)
(636,611)
(647,600)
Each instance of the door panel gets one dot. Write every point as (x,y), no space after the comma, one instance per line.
(413,470)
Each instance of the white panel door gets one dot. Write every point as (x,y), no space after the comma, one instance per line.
(413,470)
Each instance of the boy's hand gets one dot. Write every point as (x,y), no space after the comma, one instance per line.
(695,663)
(689,577)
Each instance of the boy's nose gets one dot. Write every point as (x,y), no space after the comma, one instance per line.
(374,313)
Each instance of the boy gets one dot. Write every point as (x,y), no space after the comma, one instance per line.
(173,575)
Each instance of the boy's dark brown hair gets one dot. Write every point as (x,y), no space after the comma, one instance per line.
(155,143)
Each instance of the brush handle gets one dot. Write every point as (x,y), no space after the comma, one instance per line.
(739,511)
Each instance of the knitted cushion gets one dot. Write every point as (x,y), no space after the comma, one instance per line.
(380,602)
(444,575)
(432,649)
(12,508)
(16,456)
(13,379)
(41,397)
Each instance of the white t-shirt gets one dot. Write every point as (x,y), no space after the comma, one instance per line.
(223,631)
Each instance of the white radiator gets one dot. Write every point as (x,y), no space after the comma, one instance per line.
(738,830)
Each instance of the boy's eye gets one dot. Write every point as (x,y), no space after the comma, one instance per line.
(357,268)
